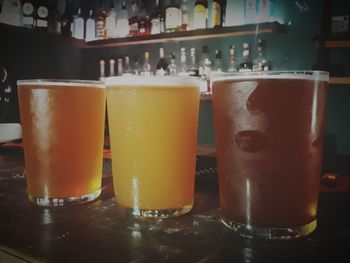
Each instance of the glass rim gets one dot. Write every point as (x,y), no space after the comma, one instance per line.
(61,82)
(154,81)
(277,74)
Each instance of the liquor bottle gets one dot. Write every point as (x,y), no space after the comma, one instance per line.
(54,20)
(172,68)
(218,67)
(155,19)
(28,11)
(133,19)
(204,61)
(247,64)
(162,65)
(127,71)
(184,16)
(11,12)
(200,19)
(172,17)
(260,63)
(136,66)
(193,67)
(120,67)
(232,60)
(78,25)
(66,19)
(183,63)
(204,70)
(101,22)
(111,21)
(102,69)
(123,27)
(250,11)
(216,14)
(143,20)
(90,27)
(146,67)
(42,14)
(111,67)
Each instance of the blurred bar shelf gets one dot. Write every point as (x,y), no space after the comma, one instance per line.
(340,80)
(211,33)
(332,41)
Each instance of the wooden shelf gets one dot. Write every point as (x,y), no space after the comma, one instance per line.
(333,42)
(212,33)
(339,80)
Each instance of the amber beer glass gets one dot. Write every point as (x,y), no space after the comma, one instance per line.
(63,133)
(268,129)
(153,134)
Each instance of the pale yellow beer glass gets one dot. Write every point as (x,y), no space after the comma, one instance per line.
(153,133)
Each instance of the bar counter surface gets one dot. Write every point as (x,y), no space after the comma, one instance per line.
(99,232)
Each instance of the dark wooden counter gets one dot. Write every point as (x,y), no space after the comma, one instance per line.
(99,232)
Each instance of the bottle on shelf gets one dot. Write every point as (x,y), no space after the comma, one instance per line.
(172,68)
(78,25)
(146,67)
(111,21)
(120,67)
(232,60)
(101,22)
(185,26)
(144,21)
(218,66)
(123,28)
(42,14)
(172,17)
(200,16)
(216,13)
(90,27)
(193,66)
(246,64)
(260,63)
(111,67)
(183,69)
(136,66)
(66,19)
(102,70)
(127,71)
(156,17)
(11,12)
(133,18)
(250,11)
(54,20)
(162,65)
(28,11)
(205,65)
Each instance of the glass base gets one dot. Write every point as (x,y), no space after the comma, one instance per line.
(270,232)
(48,201)
(157,213)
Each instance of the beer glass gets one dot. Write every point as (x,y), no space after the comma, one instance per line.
(268,129)
(153,134)
(63,133)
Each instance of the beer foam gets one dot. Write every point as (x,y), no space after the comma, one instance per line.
(295,75)
(61,83)
(153,81)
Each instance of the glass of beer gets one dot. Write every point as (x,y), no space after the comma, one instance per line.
(153,134)
(63,134)
(269,139)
